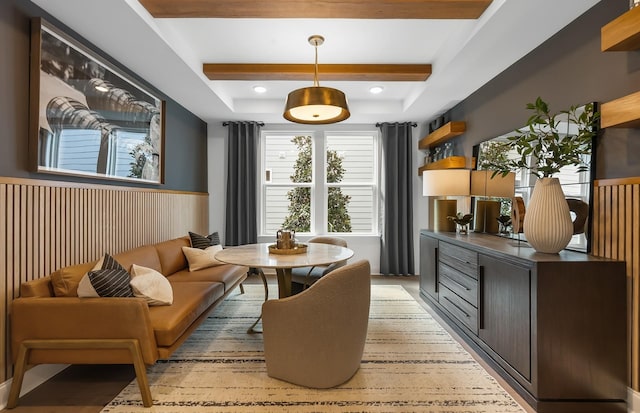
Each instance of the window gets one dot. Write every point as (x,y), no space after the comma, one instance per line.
(319,182)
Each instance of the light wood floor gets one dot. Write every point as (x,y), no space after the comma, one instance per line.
(87,389)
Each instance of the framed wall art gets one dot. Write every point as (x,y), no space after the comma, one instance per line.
(86,117)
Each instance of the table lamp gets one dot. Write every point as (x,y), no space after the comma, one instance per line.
(445,182)
(486,212)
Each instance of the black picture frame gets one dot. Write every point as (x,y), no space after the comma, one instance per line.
(87,118)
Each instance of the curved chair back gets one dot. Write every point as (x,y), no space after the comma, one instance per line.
(316,338)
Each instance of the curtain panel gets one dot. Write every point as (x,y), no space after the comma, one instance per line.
(242,204)
(396,242)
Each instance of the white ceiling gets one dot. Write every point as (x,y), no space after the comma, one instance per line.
(169,54)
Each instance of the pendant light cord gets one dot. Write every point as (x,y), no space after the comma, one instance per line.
(315,72)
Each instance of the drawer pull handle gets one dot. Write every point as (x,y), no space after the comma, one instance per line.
(458,307)
(460,284)
(481,296)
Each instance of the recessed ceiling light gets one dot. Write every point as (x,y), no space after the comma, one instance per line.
(259,89)
(376,89)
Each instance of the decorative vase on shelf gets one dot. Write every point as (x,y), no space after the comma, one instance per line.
(547,224)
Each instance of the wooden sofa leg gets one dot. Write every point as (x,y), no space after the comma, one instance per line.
(18,376)
(141,374)
(241,288)
(130,344)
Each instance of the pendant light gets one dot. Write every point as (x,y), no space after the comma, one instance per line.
(316,105)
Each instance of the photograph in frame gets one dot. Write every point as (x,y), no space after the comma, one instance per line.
(87,118)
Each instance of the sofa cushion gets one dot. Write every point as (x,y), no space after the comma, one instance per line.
(65,281)
(111,282)
(202,258)
(172,258)
(147,256)
(227,274)
(151,285)
(202,242)
(190,300)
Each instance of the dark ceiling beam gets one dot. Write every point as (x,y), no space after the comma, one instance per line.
(330,9)
(350,72)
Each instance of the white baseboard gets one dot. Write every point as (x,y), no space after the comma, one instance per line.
(633,401)
(32,379)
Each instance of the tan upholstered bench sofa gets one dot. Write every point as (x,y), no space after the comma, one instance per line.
(51,324)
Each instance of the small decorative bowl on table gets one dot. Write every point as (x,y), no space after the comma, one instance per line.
(297,249)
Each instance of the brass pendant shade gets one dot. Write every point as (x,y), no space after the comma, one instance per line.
(316,105)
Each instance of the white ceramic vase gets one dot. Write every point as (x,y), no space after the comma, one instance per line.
(547,222)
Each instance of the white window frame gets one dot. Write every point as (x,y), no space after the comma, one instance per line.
(319,186)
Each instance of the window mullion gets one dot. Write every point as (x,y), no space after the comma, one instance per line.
(319,192)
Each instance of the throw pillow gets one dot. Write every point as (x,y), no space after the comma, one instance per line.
(111,282)
(202,242)
(106,278)
(151,285)
(199,259)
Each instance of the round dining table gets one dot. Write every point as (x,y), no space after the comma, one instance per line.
(259,256)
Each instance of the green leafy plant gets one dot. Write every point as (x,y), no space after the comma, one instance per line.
(549,148)
(299,218)
(460,218)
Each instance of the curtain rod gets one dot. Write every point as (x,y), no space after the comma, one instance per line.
(413,124)
(227,123)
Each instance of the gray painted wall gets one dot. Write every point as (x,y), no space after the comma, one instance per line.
(567,69)
(185,134)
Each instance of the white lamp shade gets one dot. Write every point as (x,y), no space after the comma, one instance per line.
(482,184)
(443,182)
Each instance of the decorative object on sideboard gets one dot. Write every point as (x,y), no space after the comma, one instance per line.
(445,182)
(518,211)
(489,187)
(504,222)
(580,212)
(633,3)
(462,222)
(543,150)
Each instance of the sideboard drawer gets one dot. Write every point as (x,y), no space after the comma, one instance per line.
(461,284)
(459,308)
(463,260)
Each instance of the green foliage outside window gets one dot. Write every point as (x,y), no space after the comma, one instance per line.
(299,218)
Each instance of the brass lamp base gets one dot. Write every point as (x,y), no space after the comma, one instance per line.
(443,209)
(486,216)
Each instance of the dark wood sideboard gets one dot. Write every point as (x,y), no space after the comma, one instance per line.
(552,325)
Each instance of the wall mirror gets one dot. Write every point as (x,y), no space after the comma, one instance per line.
(576,185)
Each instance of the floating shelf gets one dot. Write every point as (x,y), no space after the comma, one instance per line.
(623,112)
(623,33)
(452,162)
(442,134)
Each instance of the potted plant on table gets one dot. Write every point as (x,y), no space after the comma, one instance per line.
(543,149)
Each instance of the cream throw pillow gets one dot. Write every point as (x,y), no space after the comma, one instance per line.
(151,285)
(199,259)
(85,288)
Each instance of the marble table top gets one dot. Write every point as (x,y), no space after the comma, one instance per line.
(258,256)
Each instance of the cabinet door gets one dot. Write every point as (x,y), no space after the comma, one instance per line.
(505,311)
(429,266)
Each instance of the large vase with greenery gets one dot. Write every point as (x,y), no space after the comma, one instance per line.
(544,149)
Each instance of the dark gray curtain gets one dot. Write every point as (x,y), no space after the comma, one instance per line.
(396,244)
(242,162)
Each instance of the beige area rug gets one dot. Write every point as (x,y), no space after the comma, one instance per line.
(410,364)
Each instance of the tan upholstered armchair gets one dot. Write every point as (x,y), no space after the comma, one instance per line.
(316,338)
(305,276)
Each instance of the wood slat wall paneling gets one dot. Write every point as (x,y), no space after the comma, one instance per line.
(616,219)
(4,242)
(46,225)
